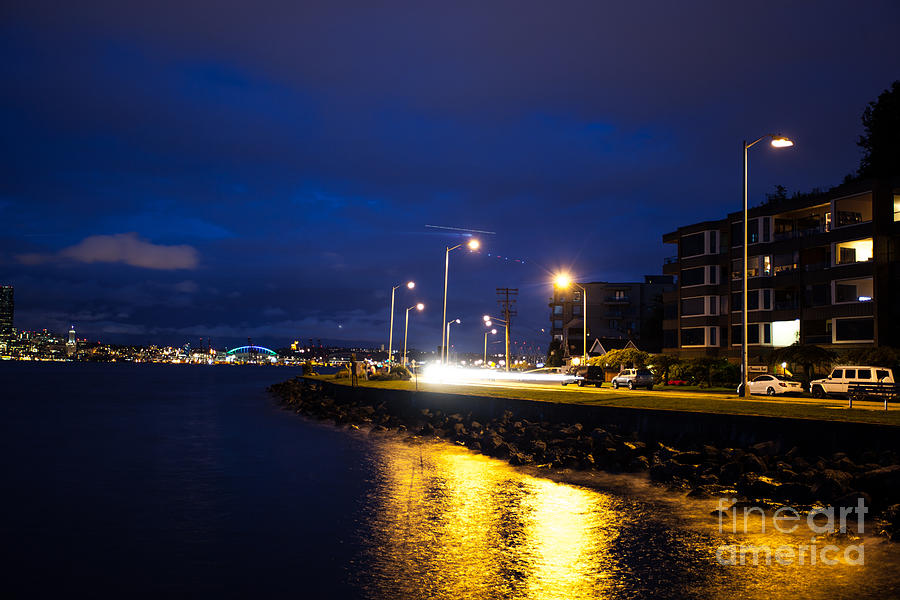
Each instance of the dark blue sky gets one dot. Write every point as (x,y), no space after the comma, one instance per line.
(174,170)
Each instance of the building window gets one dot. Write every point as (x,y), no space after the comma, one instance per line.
(557,309)
(620,295)
(713,242)
(857,251)
(851,211)
(713,334)
(693,336)
(853,290)
(767,229)
(576,309)
(854,330)
(755,333)
(896,208)
(557,324)
(692,245)
(691,277)
(693,306)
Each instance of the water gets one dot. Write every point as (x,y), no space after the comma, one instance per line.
(144,480)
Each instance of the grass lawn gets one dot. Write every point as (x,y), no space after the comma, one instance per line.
(681,398)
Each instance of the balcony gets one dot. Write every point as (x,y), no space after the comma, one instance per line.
(617,300)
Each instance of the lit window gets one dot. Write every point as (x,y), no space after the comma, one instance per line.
(856,251)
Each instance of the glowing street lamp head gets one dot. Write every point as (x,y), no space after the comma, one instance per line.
(563,281)
(411,284)
(493,331)
(486,318)
(779,141)
(473,244)
(420,306)
(487,323)
(457,321)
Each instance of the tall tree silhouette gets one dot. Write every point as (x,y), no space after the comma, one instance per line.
(881,141)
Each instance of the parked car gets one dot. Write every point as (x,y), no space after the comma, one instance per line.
(772,385)
(633,378)
(843,376)
(591,375)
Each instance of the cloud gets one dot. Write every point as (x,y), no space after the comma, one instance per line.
(125,248)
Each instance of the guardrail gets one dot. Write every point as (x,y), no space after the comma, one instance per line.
(873,391)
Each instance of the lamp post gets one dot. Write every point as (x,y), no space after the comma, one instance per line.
(778,141)
(448,336)
(418,306)
(486,333)
(409,285)
(488,320)
(563,281)
(472,245)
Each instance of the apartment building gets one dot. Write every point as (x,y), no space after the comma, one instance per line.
(823,269)
(615,311)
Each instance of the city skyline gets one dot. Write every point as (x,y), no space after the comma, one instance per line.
(173,180)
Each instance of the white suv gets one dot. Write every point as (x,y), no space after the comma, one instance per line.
(843,376)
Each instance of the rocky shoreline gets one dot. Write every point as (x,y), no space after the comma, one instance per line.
(762,474)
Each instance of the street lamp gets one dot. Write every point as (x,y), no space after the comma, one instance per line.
(472,244)
(778,141)
(448,336)
(491,332)
(418,306)
(410,285)
(564,281)
(488,321)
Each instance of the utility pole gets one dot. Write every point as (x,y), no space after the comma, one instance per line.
(506,298)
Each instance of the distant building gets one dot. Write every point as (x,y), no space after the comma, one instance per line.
(7,308)
(823,269)
(615,311)
(71,344)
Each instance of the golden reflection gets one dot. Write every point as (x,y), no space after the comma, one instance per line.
(446,523)
(452,524)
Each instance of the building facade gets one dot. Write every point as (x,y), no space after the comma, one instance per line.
(822,269)
(623,311)
(7,310)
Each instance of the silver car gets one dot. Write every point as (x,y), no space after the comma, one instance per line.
(633,378)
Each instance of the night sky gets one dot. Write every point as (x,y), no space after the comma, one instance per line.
(172,170)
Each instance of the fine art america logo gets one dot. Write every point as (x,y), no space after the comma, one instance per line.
(827,522)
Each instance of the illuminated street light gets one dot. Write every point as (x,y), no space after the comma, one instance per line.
(488,321)
(472,244)
(418,306)
(409,285)
(486,333)
(564,281)
(448,337)
(778,141)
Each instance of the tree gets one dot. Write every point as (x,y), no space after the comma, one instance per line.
(554,354)
(883,356)
(881,140)
(804,355)
(625,356)
(663,363)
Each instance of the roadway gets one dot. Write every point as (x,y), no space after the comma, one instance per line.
(607,393)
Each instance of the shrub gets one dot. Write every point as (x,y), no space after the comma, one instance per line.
(400,372)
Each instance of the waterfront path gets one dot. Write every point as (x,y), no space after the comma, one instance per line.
(660,398)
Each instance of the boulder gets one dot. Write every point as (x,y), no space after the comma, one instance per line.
(769,448)
(753,464)
(757,486)
(688,458)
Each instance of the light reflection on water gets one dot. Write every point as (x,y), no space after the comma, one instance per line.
(442,522)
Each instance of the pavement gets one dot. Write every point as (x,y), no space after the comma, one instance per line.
(607,393)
